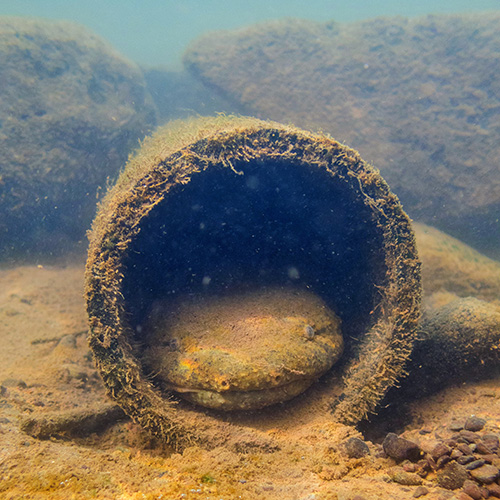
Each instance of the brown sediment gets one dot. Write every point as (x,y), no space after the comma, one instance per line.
(210,203)
(124,461)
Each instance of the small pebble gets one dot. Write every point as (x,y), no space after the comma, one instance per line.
(466,459)
(491,459)
(409,466)
(456,426)
(455,454)
(482,448)
(493,489)
(401,449)
(474,423)
(485,492)
(461,495)
(472,489)
(453,476)
(485,474)
(356,448)
(475,464)
(469,436)
(14,382)
(464,448)
(420,492)
(439,450)
(491,441)
(400,476)
(442,461)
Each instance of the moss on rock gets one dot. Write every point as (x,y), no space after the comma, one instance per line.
(71,109)
(419,97)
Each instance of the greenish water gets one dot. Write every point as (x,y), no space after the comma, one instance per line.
(153,32)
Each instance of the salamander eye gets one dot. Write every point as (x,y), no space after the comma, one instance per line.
(309,332)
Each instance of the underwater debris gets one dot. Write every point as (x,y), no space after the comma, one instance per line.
(242,201)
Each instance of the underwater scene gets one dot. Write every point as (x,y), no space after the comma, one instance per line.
(250,250)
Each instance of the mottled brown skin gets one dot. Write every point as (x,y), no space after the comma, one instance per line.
(242,351)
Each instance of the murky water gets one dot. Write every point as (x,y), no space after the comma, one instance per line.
(215,211)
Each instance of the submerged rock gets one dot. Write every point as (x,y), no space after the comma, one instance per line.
(71,109)
(419,97)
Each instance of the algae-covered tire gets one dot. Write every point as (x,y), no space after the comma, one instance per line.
(209,204)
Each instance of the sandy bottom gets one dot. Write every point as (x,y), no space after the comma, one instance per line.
(46,370)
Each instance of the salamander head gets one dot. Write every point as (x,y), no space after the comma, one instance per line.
(242,351)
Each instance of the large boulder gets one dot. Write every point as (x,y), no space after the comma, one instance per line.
(71,110)
(420,98)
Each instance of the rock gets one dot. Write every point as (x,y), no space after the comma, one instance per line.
(356,448)
(439,450)
(491,441)
(485,474)
(461,495)
(475,464)
(474,423)
(400,476)
(464,448)
(465,459)
(456,426)
(409,466)
(401,449)
(456,453)
(445,353)
(483,449)
(14,382)
(443,161)
(493,489)
(472,489)
(453,476)
(469,436)
(420,492)
(72,110)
